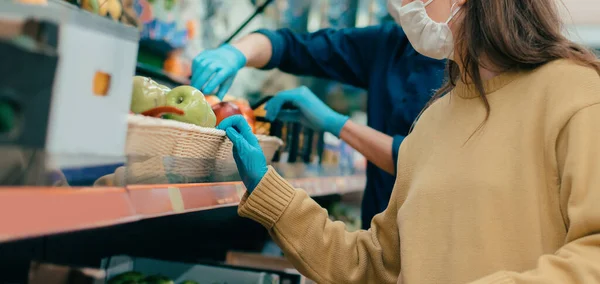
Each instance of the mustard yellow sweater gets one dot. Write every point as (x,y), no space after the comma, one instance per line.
(517,202)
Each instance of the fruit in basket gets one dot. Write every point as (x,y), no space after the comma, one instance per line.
(158,279)
(261,127)
(247,112)
(132,277)
(224,110)
(244,107)
(212,100)
(146,94)
(228,98)
(240,102)
(164,88)
(191,101)
(160,111)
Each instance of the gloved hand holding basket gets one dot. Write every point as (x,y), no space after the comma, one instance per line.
(172,138)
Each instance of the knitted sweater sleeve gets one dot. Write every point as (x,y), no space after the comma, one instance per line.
(321,249)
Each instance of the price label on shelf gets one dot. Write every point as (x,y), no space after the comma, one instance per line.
(240,189)
(176,199)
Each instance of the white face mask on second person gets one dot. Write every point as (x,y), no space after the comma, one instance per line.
(426,36)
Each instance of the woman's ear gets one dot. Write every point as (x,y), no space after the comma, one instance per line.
(461,2)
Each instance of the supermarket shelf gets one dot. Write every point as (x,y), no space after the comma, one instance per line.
(33,211)
(159,200)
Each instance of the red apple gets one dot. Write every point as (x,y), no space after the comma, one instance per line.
(251,122)
(247,112)
(224,110)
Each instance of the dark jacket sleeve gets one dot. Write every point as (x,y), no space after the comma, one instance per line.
(423,77)
(351,55)
(344,55)
(396,148)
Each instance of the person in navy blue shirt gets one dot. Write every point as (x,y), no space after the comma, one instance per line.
(379,59)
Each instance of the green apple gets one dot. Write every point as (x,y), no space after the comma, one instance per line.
(164,88)
(192,102)
(147,94)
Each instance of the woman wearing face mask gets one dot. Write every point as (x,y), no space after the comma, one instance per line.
(499,181)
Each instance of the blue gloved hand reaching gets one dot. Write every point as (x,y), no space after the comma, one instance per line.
(217,68)
(311,107)
(248,154)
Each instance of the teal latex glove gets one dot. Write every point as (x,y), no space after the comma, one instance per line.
(217,68)
(248,155)
(311,107)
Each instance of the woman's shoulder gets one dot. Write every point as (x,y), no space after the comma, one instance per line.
(560,89)
(567,71)
(568,83)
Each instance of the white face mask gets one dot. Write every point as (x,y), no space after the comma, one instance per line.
(426,36)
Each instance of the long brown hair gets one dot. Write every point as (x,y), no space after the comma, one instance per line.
(512,35)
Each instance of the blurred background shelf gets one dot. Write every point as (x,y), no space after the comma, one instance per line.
(588,35)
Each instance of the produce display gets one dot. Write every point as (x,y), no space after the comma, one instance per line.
(212,100)
(195,107)
(225,109)
(186,104)
(247,112)
(162,153)
(261,127)
(147,94)
(133,277)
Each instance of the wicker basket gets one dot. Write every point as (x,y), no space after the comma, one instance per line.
(176,152)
